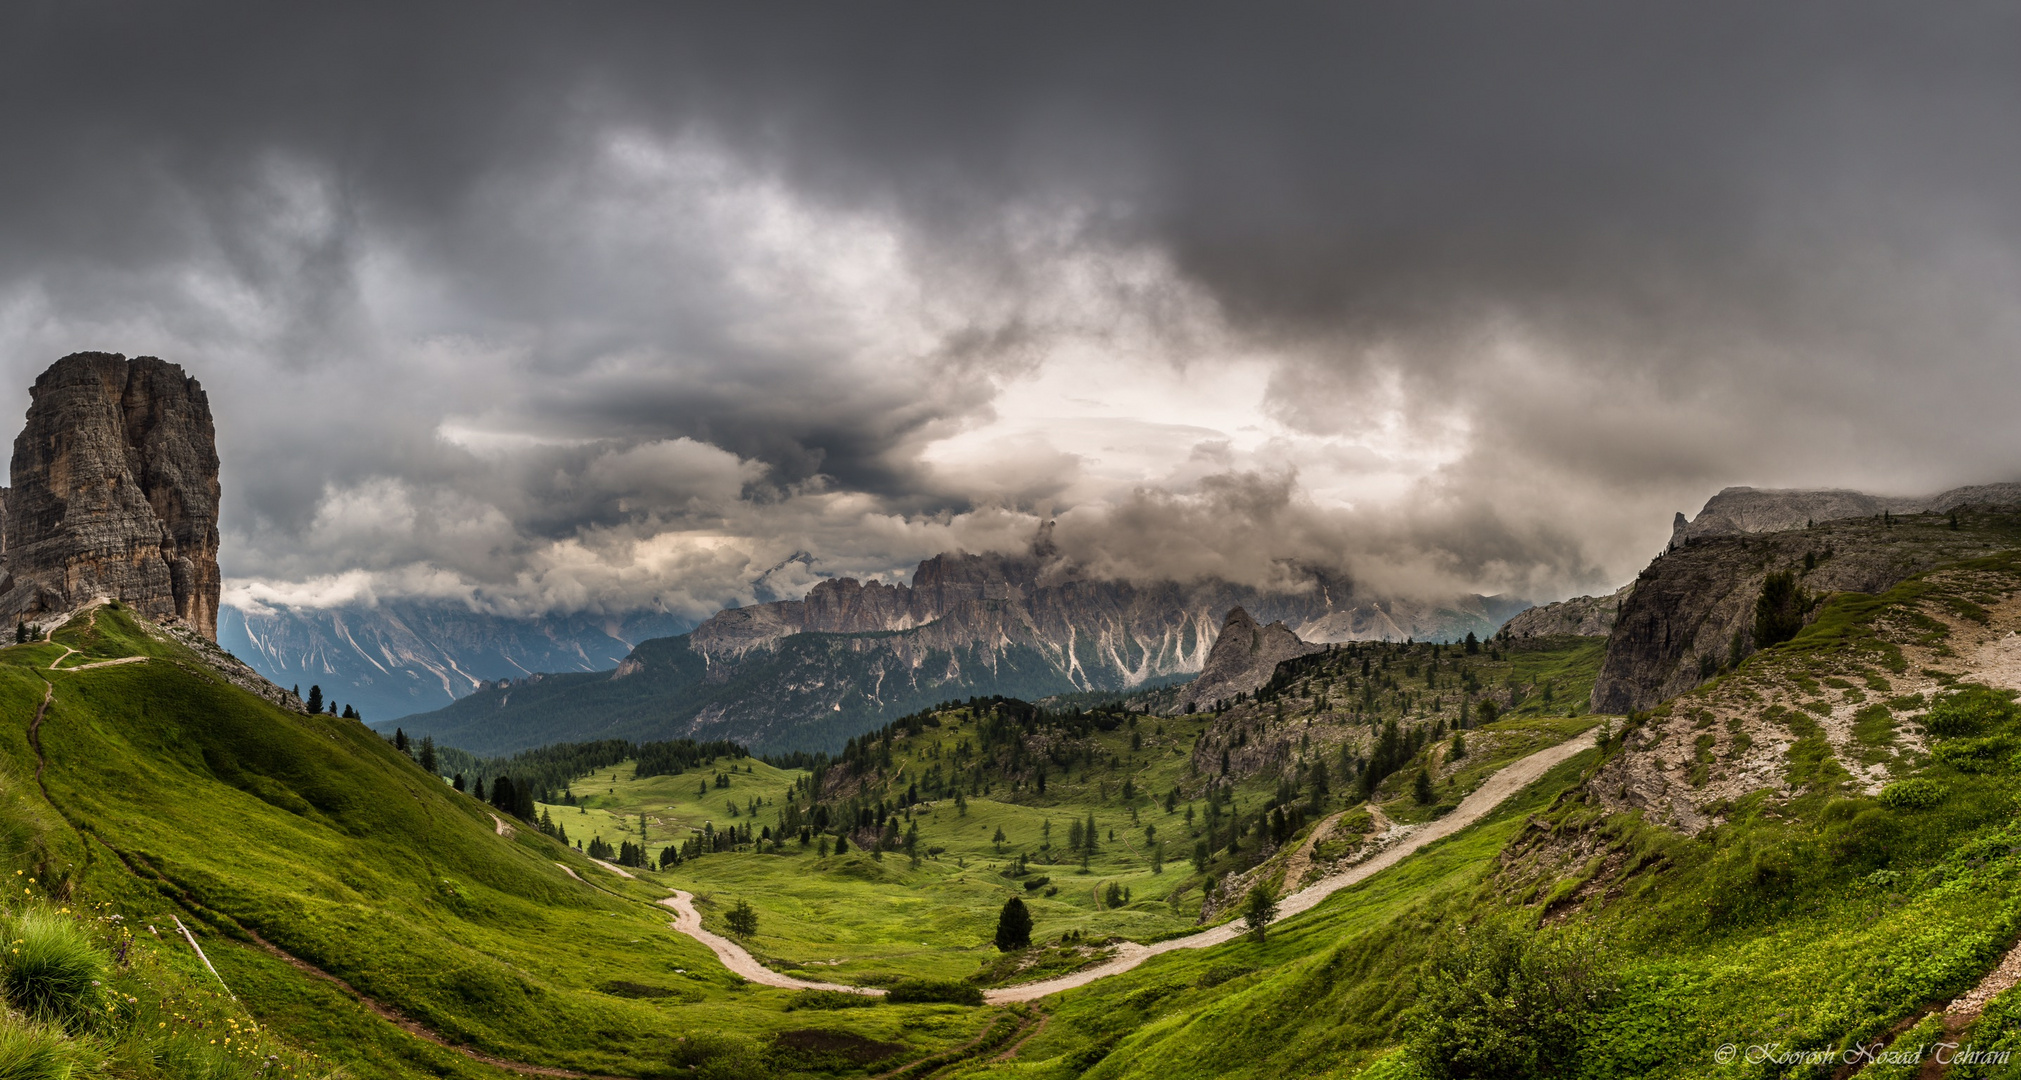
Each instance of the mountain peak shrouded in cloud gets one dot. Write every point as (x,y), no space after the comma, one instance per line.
(593,313)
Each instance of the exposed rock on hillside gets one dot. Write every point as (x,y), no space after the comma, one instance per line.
(1739,510)
(1847,718)
(1243,658)
(115,494)
(1692,610)
(1584,616)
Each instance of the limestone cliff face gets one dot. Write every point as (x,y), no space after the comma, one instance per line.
(1243,658)
(1685,615)
(114,493)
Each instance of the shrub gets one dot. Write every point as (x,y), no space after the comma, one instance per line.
(51,969)
(1913,794)
(1037,883)
(30,1052)
(829,1000)
(1988,755)
(707,1055)
(1969,711)
(1495,1002)
(944,991)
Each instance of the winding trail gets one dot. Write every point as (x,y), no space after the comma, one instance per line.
(1511,779)
(689,921)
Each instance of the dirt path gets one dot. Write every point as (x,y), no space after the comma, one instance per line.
(616,869)
(1301,859)
(689,921)
(503,828)
(2004,976)
(1513,778)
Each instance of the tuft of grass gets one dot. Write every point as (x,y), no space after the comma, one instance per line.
(31,1051)
(50,969)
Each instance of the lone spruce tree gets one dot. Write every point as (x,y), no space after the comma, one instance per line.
(1258,910)
(742,920)
(1013,926)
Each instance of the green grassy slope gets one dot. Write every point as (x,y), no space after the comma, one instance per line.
(171,792)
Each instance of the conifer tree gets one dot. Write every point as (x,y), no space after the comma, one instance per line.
(742,920)
(315,701)
(1258,910)
(1013,926)
(1421,789)
(428,754)
(400,740)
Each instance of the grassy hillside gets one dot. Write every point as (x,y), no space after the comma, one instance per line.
(305,850)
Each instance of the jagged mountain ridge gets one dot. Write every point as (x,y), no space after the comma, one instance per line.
(397,657)
(854,654)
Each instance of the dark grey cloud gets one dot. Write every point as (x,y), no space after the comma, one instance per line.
(463,278)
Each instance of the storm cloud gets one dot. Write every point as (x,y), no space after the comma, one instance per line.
(564,309)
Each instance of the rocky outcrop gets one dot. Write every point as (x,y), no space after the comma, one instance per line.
(1743,510)
(1582,616)
(1244,656)
(1691,613)
(114,494)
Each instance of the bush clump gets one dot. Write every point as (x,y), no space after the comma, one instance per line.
(928,991)
(50,969)
(1912,794)
(1497,1002)
(1988,755)
(1970,711)
(828,1000)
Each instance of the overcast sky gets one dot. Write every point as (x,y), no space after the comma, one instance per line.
(564,307)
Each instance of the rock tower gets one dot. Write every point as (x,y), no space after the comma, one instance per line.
(114,494)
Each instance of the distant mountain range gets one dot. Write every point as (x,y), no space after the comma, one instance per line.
(808,674)
(399,657)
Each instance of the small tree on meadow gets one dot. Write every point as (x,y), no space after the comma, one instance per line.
(428,754)
(742,920)
(1421,788)
(1013,926)
(315,702)
(1258,911)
